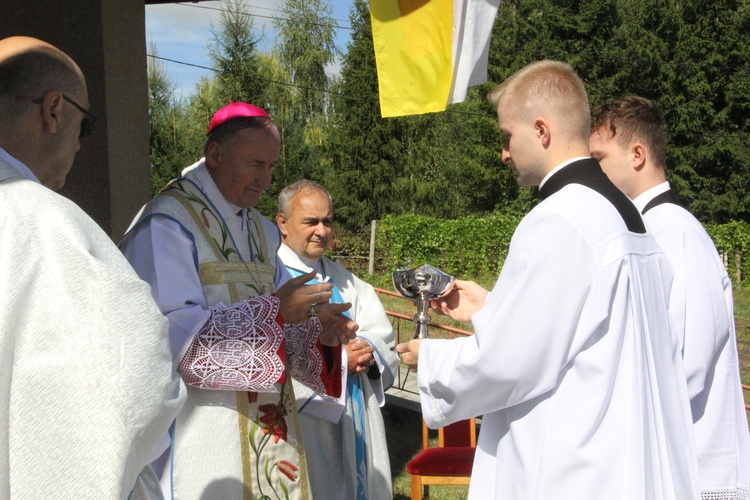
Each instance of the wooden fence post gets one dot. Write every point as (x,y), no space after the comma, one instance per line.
(371,267)
(738,266)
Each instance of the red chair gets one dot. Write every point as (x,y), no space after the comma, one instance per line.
(448,464)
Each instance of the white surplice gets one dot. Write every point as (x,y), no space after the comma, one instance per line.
(328,429)
(87,384)
(702,311)
(573,366)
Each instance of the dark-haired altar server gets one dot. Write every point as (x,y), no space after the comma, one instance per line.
(629,138)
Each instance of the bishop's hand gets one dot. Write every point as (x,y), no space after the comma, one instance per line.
(296,299)
(337,328)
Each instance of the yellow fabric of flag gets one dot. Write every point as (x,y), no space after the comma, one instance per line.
(413,50)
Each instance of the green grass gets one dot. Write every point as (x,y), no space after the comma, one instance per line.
(742,322)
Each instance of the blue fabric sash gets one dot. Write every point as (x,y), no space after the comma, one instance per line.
(355,401)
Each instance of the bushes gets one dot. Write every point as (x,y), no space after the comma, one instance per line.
(732,240)
(475,247)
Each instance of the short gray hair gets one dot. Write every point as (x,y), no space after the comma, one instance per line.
(289,192)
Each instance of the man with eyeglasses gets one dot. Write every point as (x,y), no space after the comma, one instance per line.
(87,386)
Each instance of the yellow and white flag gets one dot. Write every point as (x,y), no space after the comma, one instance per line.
(428,52)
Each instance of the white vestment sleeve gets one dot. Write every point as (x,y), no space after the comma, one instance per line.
(697,304)
(525,334)
(163,254)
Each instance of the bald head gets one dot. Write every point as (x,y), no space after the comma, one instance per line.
(43,101)
(29,68)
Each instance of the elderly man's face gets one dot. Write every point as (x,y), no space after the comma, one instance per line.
(307,227)
(242,165)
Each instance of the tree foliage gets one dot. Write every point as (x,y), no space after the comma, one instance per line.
(171,130)
(235,57)
(306,46)
(689,56)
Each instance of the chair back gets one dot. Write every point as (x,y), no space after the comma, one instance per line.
(461,433)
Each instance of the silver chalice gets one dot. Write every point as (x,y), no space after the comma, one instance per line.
(421,285)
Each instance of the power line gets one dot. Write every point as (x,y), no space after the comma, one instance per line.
(274,18)
(286,84)
(267,80)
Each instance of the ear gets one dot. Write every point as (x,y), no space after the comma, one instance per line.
(281,223)
(51,109)
(541,127)
(213,155)
(638,156)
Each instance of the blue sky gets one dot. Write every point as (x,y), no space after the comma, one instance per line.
(182,32)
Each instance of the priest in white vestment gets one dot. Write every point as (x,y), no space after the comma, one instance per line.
(240,328)
(629,138)
(344,439)
(573,365)
(87,384)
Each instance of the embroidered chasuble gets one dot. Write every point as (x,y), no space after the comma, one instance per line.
(230,443)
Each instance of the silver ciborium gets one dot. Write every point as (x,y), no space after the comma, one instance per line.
(422,284)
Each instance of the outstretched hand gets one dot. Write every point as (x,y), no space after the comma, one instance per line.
(409,352)
(462,302)
(296,298)
(337,328)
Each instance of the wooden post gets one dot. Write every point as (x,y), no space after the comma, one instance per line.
(371,267)
(738,267)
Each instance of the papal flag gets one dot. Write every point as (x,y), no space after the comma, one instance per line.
(428,52)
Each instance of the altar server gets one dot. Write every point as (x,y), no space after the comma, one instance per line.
(87,386)
(574,365)
(629,138)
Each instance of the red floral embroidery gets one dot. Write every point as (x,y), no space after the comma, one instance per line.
(288,469)
(273,421)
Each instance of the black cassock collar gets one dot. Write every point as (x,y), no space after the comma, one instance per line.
(588,173)
(667,196)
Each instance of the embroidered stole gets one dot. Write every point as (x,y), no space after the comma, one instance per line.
(273,459)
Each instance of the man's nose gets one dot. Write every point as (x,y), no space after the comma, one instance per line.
(264,179)
(505,156)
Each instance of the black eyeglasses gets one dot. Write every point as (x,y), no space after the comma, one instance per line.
(89,118)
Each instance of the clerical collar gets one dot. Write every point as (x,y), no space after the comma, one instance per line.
(316,265)
(645,197)
(22,169)
(558,168)
(587,172)
(288,256)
